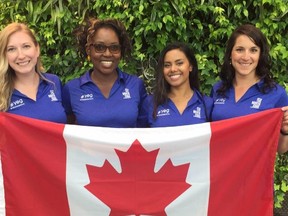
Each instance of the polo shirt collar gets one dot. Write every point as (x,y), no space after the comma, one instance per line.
(86,78)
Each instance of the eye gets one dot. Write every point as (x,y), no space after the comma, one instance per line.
(99,47)
(179,63)
(254,50)
(114,48)
(167,65)
(26,46)
(11,49)
(239,49)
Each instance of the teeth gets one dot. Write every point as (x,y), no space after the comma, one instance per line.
(174,76)
(107,63)
(23,63)
(245,64)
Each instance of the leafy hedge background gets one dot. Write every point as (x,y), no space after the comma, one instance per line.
(205,24)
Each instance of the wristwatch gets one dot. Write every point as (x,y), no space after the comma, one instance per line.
(283,133)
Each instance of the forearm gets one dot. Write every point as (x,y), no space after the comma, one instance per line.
(283,144)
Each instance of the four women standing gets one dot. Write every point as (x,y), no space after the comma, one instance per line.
(106,96)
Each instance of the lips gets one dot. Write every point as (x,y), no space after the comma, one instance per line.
(23,63)
(245,64)
(174,76)
(107,63)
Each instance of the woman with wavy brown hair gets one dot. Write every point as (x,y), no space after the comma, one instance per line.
(247,85)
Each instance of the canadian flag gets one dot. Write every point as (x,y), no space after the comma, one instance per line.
(222,168)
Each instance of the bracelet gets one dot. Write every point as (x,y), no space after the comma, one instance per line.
(283,133)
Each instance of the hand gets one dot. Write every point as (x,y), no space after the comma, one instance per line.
(284,126)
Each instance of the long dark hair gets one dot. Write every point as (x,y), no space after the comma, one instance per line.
(162,87)
(227,73)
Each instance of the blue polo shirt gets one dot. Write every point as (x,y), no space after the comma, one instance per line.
(48,103)
(252,101)
(122,109)
(197,111)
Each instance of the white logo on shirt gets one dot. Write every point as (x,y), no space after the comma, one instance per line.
(163,112)
(52,96)
(86,97)
(17,103)
(197,112)
(126,94)
(256,104)
(220,101)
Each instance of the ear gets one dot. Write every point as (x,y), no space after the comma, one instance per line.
(88,50)
(38,51)
(190,68)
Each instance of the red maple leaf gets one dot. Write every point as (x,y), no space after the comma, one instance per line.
(137,190)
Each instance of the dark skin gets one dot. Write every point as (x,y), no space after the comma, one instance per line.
(104,72)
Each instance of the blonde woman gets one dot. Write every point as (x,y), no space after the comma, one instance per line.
(24,89)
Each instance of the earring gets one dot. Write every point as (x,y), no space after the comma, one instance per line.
(88,58)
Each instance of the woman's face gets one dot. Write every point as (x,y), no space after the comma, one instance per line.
(22,54)
(176,68)
(245,56)
(105,52)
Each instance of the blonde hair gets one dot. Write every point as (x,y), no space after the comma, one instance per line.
(7,74)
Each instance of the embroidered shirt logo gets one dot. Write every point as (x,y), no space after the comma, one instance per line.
(126,94)
(16,104)
(220,101)
(163,112)
(86,97)
(52,96)
(197,112)
(256,104)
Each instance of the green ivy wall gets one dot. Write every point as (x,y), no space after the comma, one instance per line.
(205,24)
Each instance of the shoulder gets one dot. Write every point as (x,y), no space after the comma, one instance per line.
(205,99)
(76,82)
(124,75)
(208,100)
(281,92)
(131,79)
(217,85)
(280,88)
(51,77)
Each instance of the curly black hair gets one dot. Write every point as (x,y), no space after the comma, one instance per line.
(87,30)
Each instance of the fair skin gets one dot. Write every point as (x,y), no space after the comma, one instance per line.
(176,72)
(283,140)
(244,58)
(104,64)
(22,55)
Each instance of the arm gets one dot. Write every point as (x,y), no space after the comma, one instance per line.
(283,138)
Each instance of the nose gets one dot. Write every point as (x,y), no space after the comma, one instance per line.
(107,52)
(20,54)
(174,67)
(246,55)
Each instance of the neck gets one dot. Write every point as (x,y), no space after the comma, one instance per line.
(245,81)
(27,84)
(31,79)
(181,93)
(103,79)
